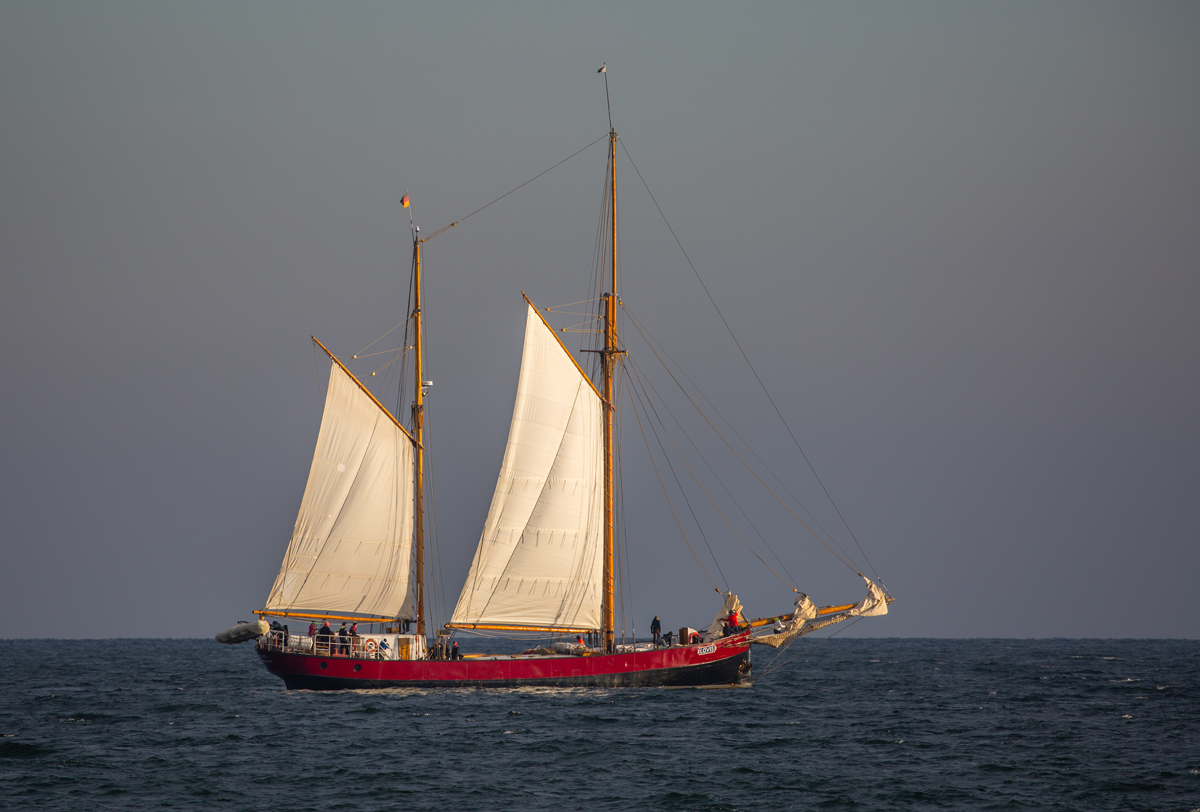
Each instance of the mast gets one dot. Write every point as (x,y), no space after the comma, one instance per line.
(609,366)
(418,415)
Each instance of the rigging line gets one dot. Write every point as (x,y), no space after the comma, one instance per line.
(717,477)
(771,665)
(573,328)
(621,593)
(792,583)
(398,355)
(628,582)
(381,352)
(317,367)
(667,496)
(402,377)
(599,272)
(393,369)
(747,360)
(841,556)
(381,338)
(728,493)
(596,282)
(506,194)
(607,100)
(555,308)
(678,484)
(649,338)
(437,548)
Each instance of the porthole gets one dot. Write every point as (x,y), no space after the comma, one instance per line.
(358,666)
(324,665)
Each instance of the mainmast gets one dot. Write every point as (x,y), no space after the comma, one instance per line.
(610,355)
(418,415)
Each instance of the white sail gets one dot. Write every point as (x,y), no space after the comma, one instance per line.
(351,549)
(873,605)
(540,557)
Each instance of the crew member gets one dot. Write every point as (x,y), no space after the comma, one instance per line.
(731,622)
(655,629)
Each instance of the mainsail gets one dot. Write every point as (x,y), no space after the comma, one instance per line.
(351,549)
(539,561)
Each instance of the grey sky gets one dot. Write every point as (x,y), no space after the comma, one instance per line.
(959,241)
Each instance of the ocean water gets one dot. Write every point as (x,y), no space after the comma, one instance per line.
(838,724)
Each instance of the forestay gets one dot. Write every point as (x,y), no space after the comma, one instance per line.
(351,549)
(539,561)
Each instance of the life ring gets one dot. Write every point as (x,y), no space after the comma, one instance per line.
(370,646)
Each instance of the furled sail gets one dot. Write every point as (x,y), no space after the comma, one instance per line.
(784,633)
(717,627)
(351,549)
(807,620)
(874,604)
(540,558)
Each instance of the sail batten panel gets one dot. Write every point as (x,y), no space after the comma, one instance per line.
(351,548)
(539,560)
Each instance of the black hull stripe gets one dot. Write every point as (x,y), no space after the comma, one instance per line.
(727,671)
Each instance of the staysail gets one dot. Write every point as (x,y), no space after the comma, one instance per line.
(351,549)
(539,561)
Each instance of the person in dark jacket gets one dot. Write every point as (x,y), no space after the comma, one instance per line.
(655,629)
(325,636)
(454,655)
(343,646)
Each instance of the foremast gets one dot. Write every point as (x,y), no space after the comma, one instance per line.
(418,430)
(609,358)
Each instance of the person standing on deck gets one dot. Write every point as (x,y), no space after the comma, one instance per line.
(656,629)
(343,646)
(731,623)
(312,629)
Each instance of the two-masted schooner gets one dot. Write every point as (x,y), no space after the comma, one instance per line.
(545,561)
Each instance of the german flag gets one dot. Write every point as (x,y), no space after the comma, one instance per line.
(404,201)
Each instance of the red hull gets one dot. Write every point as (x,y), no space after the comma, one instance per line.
(723,662)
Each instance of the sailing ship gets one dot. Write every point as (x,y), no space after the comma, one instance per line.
(545,561)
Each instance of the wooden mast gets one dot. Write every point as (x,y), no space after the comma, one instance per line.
(418,415)
(611,352)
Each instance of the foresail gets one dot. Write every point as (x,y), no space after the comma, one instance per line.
(351,549)
(539,560)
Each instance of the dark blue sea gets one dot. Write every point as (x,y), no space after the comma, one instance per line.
(839,724)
